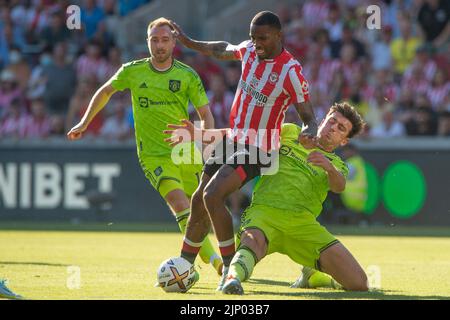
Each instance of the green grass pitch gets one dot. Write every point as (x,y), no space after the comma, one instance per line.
(413,263)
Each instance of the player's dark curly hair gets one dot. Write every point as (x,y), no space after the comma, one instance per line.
(349,112)
(266,18)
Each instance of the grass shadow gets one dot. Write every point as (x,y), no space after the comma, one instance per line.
(329,294)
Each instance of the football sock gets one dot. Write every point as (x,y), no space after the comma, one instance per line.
(207,253)
(190,250)
(319,280)
(242,264)
(227,250)
(182,219)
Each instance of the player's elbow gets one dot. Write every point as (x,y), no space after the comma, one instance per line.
(338,188)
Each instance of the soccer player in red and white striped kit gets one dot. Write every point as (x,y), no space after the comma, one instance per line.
(270,82)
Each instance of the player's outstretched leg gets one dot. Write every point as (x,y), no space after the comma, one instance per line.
(339,263)
(252,249)
(222,184)
(198,224)
(179,204)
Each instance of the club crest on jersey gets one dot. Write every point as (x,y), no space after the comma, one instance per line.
(174,85)
(273,78)
(305,87)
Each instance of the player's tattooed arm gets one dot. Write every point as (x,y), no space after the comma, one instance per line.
(221,50)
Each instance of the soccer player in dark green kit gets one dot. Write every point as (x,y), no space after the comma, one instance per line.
(161,88)
(285,205)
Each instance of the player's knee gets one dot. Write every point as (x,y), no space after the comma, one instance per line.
(211,196)
(361,283)
(197,198)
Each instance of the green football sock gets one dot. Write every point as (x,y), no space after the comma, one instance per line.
(322,280)
(242,264)
(207,252)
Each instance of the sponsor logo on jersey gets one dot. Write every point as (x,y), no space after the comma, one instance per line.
(260,98)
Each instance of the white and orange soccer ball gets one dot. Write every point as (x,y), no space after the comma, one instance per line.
(176,275)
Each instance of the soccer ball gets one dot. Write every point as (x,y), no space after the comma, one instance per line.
(176,275)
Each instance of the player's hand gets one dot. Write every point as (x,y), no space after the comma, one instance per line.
(180,133)
(320,160)
(308,141)
(179,33)
(76,132)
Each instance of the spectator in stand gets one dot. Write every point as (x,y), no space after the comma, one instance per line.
(79,103)
(381,53)
(347,39)
(434,20)
(91,16)
(348,63)
(14,123)
(20,68)
(423,122)
(444,124)
(232,75)
(416,80)
(423,58)
(9,91)
(384,79)
(10,38)
(55,32)
(38,124)
(36,84)
(403,48)
(334,24)
(60,81)
(389,127)
(113,63)
(322,41)
(116,126)
(314,13)
(439,90)
(91,63)
(296,40)
(220,101)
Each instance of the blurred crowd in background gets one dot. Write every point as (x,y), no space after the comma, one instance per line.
(398,76)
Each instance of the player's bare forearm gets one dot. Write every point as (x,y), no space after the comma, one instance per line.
(97,103)
(336,180)
(217,49)
(206,117)
(306,113)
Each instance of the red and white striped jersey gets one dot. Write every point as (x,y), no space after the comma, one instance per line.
(266,89)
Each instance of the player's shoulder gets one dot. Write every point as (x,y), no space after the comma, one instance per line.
(183,67)
(135,63)
(290,131)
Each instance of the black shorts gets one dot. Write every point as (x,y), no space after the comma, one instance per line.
(247,160)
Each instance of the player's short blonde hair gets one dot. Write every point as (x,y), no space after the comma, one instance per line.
(159,23)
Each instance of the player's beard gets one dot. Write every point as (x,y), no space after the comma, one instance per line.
(161,57)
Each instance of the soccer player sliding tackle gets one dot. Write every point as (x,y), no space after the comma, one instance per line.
(270,82)
(282,215)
